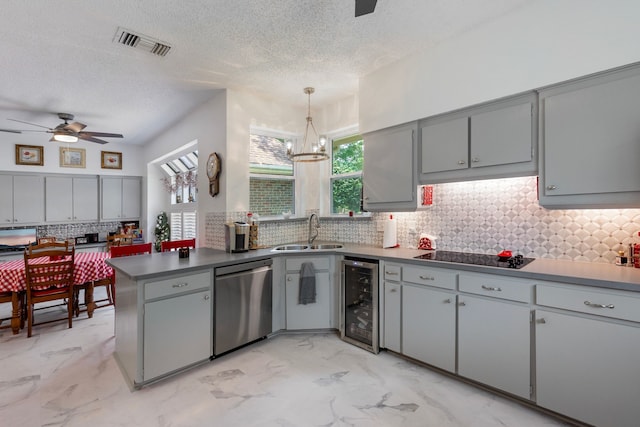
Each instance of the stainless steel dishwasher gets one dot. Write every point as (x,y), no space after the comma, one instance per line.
(242,303)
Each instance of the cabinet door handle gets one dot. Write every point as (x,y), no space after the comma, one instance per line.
(391,273)
(366,198)
(541,321)
(491,288)
(447,301)
(206,297)
(475,160)
(462,304)
(289,279)
(393,290)
(461,162)
(427,278)
(180,285)
(551,187)
(594,305)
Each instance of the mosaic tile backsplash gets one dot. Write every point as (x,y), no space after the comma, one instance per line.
(480,216)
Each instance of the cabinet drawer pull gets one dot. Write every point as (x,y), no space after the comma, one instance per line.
(427,278)
(447,301)
(475,160)
(462,304)
(541,321)
(461,162)
(594,305)
(180,285)
(206,297)
(551,187)
(393,290)
(491,288)
(391,273)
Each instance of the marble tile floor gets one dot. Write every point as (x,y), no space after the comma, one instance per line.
(68,377)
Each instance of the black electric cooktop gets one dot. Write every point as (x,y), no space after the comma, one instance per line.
(517,261)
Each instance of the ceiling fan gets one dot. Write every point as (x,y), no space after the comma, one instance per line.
(364,7)
(67,132)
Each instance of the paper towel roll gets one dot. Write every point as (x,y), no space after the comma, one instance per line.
(390,239)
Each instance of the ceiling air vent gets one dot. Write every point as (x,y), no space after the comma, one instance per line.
(142,42)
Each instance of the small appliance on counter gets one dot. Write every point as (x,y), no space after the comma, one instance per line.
(236,237)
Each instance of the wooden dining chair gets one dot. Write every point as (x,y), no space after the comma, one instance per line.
(117,252)
(177,244)
(119,240)
(49,277)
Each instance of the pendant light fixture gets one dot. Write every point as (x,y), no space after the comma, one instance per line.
(312,151)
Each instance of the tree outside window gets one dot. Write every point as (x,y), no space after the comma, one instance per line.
(346,174)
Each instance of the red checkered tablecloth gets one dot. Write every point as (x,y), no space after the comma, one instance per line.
(88,266)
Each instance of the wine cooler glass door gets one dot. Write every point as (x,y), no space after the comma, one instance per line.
(360,307)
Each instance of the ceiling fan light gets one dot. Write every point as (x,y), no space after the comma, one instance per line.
(63,137)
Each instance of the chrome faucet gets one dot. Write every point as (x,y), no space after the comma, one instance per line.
(312,227)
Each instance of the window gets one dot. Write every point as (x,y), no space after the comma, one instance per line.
(346,174)
(183,225)
(182,178)
(271,181)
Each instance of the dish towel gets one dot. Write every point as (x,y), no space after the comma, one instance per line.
(307,291)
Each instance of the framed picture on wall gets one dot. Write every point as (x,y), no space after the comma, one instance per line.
(111,160)
(72,157)
(30,155)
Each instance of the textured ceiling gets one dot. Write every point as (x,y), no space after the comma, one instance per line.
(59,56)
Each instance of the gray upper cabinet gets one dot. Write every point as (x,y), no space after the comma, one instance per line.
(18,208)
(389,171)
(71,198)
(121,197)
(590,141)
(493,140)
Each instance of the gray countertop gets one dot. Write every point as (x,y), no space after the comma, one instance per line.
(580,273)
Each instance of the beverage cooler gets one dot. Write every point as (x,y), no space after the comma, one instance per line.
(359,308)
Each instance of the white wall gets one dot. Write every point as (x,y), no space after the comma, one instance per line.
(207,125)
(545,42)
(132,164)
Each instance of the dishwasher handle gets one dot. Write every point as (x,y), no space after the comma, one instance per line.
(260,265)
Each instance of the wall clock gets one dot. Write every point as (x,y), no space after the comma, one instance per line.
(213,172)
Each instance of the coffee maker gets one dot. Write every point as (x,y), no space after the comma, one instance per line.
(236,237)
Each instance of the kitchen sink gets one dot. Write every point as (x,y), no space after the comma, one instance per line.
(299,248)
(327,246)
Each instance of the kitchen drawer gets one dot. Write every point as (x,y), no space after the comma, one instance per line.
(178,285)
(438,277)
(392,272)
(496,286)
(319,263)
(615,304)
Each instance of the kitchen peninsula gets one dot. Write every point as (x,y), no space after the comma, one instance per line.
(555,304)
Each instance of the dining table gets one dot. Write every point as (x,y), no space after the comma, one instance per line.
(88,268)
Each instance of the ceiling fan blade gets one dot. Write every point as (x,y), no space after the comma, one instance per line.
(364,7)
(75,126)
(27,123)
(10,130)
(85,137)
(101,134)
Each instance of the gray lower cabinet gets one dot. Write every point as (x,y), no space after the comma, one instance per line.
(392,316)
(494,331)
(494,344)
(429,326)
(587,369)
(389,171)
(587,352)
(163,324)
(315,315)
(176,332)
(589,141)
